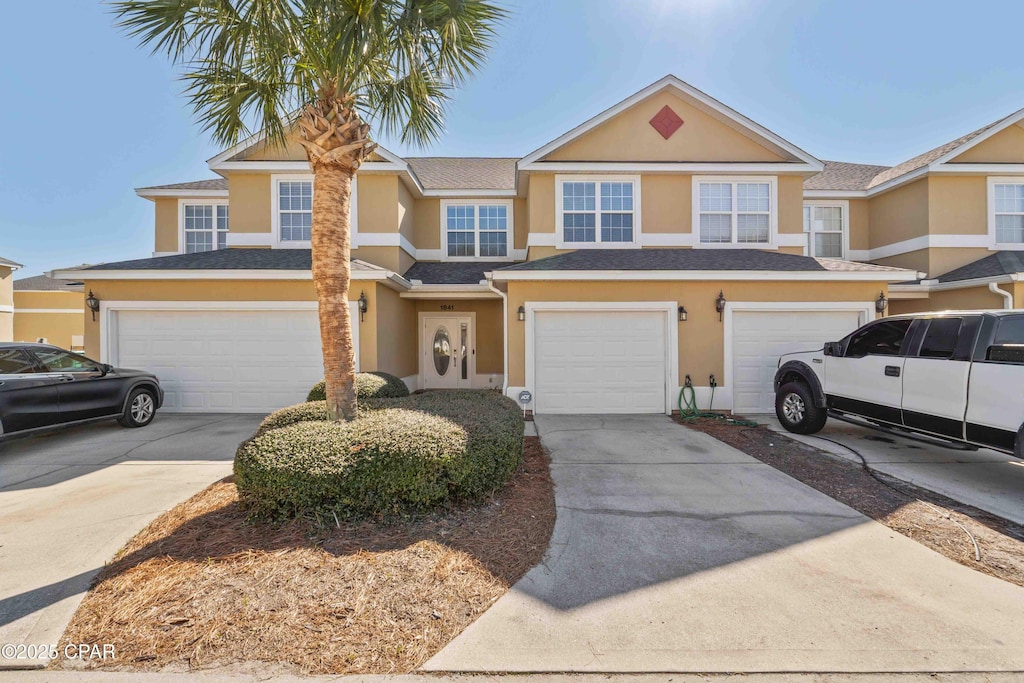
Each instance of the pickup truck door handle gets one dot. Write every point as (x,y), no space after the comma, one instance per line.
(892,371)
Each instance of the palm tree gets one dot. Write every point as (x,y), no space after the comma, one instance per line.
(316,71)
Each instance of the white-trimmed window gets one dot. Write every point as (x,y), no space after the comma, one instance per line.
(1006,211)
(826,225)
(598,211)
(204,225)
(291,198)
(476,230)
(734,211)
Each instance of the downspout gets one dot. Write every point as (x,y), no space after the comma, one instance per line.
(994,288)
(504,327)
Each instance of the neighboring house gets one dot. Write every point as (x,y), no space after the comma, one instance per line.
(51,309)
(566,272)
(7,269)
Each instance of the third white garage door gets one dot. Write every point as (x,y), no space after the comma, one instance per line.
(600,361)
(761,337)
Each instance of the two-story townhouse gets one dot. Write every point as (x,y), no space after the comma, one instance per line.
(665,237)
(7,269)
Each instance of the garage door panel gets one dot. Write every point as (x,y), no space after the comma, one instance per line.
(761,337)
(600,361)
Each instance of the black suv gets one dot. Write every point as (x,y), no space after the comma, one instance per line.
(43,386)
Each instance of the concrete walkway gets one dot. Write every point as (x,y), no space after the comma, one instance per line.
(69,500)
(986,479)
(673,552)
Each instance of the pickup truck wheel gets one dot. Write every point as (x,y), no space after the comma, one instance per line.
(794,406)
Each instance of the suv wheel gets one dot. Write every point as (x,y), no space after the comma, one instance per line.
(140,408)
(794,406)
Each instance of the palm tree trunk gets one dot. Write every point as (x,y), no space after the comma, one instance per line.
(332,247)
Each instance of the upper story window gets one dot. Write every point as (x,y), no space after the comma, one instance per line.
(295,210)
(598,211)
(204,226)
(476,229)
(734,211)
(1007,212)
(825,224)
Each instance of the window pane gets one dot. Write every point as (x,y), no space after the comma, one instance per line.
(578,197)
(198,217)
(1009,198)
(828,245)
(715,228)
(460,243)
(940,340)
(752,228)
(752,196)
(493,217)
(883,339)
(15,362)
(715,197)
(62,361)
(616,227)
(493,244)
(1009,229)
(807,219)
(1011,331)
(222,217)
(828,218)
(198,241)
(616,196)
(578,227)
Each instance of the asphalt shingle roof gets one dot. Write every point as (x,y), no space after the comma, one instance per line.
(839,175)
(454,273)
(994,265)
(229,259)
(43,283)
(211,184)
(690,259)
(464,173)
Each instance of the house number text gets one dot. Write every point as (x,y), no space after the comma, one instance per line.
(447,307)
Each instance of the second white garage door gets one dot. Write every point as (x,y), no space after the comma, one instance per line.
(599,361)
(223,360)
(761,337)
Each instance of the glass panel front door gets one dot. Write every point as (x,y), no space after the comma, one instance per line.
(446,352)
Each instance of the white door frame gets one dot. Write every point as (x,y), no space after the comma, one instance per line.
(669,308)
(865,308)
(421,322)
(109,309)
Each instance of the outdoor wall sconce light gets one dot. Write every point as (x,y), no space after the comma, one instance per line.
(93,303)
(364,305)
(682,314)
(521,314)
(720,305)
(881,303)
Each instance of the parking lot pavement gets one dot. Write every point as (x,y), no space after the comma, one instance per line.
(70,499)
(986,479)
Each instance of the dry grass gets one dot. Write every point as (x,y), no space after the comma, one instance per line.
(927,517)
(202,587)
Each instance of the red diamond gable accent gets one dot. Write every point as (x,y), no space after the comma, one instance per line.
(666,122)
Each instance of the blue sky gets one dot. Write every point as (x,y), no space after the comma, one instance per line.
(88,116)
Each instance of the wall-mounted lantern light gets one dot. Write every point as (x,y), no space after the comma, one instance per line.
(93,303)
(364,306)
(720,304)
(521,314)
(881,303)
(682,314)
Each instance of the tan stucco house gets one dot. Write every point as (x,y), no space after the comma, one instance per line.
(50,309)
(7,268)
(668,236)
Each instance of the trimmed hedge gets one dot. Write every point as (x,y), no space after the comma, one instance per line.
(368,385)
(400,456)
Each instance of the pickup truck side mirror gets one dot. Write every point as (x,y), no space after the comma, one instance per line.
(833,349)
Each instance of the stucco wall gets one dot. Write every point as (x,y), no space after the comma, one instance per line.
(860,237)
(249,199)
(957,205)
(394,334)
(972,298)
(899,215)
(701,338)
(57,328)
(1005,147)
(165,212)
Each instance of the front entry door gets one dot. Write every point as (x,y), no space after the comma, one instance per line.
(446,358)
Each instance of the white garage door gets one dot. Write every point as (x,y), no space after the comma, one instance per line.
(761,337)
(221,360)
(599,362)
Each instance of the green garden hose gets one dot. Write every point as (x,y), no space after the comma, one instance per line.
(691,412)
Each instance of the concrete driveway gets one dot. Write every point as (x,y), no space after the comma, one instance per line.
(673,552)
(986,479)
(69,500)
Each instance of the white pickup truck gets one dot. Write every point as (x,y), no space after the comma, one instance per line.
(956,375)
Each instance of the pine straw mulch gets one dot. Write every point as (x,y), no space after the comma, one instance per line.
(929,518)
(201,587)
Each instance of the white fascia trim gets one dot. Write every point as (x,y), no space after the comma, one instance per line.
(80,311)
(773,214)
(456,194)
(302,166)
(936,286)
(181,193)
(250,239)
(428,254)
(449,292)
(540,239)
(671,81)
(669,308)
(845,213)
(597,180)
(835,194)
(979,169)
(667,239)
(6,308)
(919,243)
(386,276)
(666,167)
(692,275)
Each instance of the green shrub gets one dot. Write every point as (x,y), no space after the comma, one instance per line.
(368,385)
(401,455)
